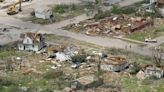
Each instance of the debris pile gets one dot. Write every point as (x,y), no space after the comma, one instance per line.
(115,25)
(61,52)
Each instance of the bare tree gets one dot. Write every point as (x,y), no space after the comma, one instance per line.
(157,56)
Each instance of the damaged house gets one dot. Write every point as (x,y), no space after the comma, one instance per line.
(150,71)
(114,64)
(31,42)
(43,12)
(62,53)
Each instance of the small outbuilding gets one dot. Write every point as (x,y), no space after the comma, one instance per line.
(43,12)
(114,64)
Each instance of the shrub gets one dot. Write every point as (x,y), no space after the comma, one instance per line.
(79,58)
(101,15)
(124,10)
(60,8)
(64,8)
(1,0)
(134,68)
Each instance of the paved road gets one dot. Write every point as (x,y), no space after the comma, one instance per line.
(106,42)
(160,40)
(54,29)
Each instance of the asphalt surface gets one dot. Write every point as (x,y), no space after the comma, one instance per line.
(106,42)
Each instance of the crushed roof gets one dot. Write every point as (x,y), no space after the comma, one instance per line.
(115,60)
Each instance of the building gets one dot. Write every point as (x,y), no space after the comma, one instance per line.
(86,82)
(43,12)
(150,71)
(114,64)
(31,42)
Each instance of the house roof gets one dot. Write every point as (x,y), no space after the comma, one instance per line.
(33,36)
(42,9)
(115,60)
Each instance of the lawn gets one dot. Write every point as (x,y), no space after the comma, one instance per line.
(132,84)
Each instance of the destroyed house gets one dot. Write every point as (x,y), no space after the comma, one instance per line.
(31,42)
(114,64)
(150,71)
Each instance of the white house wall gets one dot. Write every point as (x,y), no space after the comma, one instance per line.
(114,67)
(45,15)
(27,40)
(20,46)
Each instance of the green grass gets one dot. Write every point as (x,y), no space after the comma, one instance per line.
(5,54)
(127,9)
(10,50)
(132,84)
(32,82)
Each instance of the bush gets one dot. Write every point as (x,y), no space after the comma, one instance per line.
(134,68)
(6,82)
(124,10)
(1,0)
(64,8)
(79,58)
(101,15)
(60,8)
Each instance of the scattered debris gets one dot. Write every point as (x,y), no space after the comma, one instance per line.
(115,25)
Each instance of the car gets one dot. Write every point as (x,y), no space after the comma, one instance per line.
(151,40)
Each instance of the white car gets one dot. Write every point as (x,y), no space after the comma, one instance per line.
(151,40)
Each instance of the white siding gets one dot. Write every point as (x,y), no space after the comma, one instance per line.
(114,67)
(44,15)
(20,46)
(27,40)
